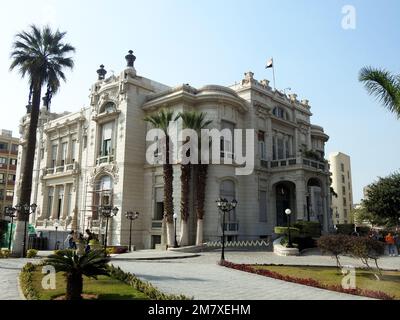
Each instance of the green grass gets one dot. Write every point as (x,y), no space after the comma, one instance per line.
(365,279)
(104,287)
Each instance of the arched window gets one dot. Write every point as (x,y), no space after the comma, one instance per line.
(280,113)
(102,194)
(108,107)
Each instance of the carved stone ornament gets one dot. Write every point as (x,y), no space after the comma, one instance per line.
(108,169)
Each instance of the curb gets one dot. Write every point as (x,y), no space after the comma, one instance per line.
(21,294)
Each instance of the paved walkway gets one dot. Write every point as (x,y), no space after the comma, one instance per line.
(201,278)
(9,272)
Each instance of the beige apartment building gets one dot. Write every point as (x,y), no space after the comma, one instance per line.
(98,155)
(8,167)
(340,167)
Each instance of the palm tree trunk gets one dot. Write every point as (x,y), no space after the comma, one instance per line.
(168,198)
(201,189)
(185,192)
(27,171)
(74,286)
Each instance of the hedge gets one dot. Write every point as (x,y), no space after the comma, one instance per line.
(309,228)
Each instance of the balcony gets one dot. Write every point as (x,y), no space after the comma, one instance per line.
(299,162)
(65,169)
(105,159)
(156,224)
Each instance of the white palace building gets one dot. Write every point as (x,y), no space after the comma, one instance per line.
(97,155)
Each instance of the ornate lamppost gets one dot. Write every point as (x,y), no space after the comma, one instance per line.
(107,212)
(131,216)
(10,212)
(225,206)
(175,216)
(288,212)
(26,210)
(56,224)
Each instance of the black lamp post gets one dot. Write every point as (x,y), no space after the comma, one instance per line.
(10,212)
(26,210)
(107,212)
(56,224)
(288,212)
(131,216)
(175,216)
(225,207)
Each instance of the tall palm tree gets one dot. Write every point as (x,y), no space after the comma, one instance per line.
(198,123)
(90,264)
(161,120)
(383,85)
(191,120)
(40,55)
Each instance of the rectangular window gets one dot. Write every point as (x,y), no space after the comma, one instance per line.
(64,153)
(262,206)
(343,189)
(3,160)
(261,145)
(342,167)
(14,148)
(227,144)
(345,213)
(53,155)
(13,162)
(50,202)
(343,179)
(344,201)
(3,146)
(106,138)
(287,149)
(274,155)
(1,177)
(11,177)
(1,194)
(9,193)
(280,148)
(159,204)
(348,175)
(41,153)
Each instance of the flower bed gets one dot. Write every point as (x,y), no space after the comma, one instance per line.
(307,281)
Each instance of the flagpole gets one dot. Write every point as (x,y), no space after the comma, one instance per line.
(273,73)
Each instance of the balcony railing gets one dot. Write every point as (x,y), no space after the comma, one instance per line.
(68,168)
(105,159)
(298,161)
(156,224)
(231,226)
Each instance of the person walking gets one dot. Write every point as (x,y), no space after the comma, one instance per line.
(70,240)
(397,243)
(389,240)
(89,237)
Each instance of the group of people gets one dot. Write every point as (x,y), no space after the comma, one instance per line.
(72,238)
(392,240)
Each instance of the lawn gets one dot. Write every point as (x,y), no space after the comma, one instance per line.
(365,279)
(105,288)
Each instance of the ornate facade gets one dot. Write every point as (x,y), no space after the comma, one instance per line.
(97,156)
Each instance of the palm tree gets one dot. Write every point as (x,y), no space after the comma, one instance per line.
(90,264)
(161,121)
(383,85)
(40,55)
(190,120)
(197,123)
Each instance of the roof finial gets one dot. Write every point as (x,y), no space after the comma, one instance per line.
(130,59)
(101,72)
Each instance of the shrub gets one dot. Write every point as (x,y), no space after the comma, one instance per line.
(308,228)
(5,253)
(110,251)
(363,230)
(31,253)
(26,280)
(284,231)
(346,229)
(304,242)
(120,250)
(334,245)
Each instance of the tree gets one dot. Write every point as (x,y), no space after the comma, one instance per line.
(383,199)
(90,264)
(384,86)
(196,121)
(161,120)
(335,245)
(40,55)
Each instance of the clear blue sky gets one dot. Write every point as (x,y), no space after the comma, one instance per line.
(203,42)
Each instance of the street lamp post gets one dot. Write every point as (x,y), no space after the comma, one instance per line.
(107,212)
(10,212)
(26,210)
(131,216)
(175,216)
(225,207)
(56,224)
(288,212)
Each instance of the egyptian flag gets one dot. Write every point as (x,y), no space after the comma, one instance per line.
(270,63)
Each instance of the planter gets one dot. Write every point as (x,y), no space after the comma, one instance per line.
(280,250)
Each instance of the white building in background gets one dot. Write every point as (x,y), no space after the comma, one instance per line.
(342,205)
(97,156)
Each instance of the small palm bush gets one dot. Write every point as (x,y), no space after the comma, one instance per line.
(90,264)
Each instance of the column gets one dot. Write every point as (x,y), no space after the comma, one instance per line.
(64,213)
(300,199)
(54,205)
